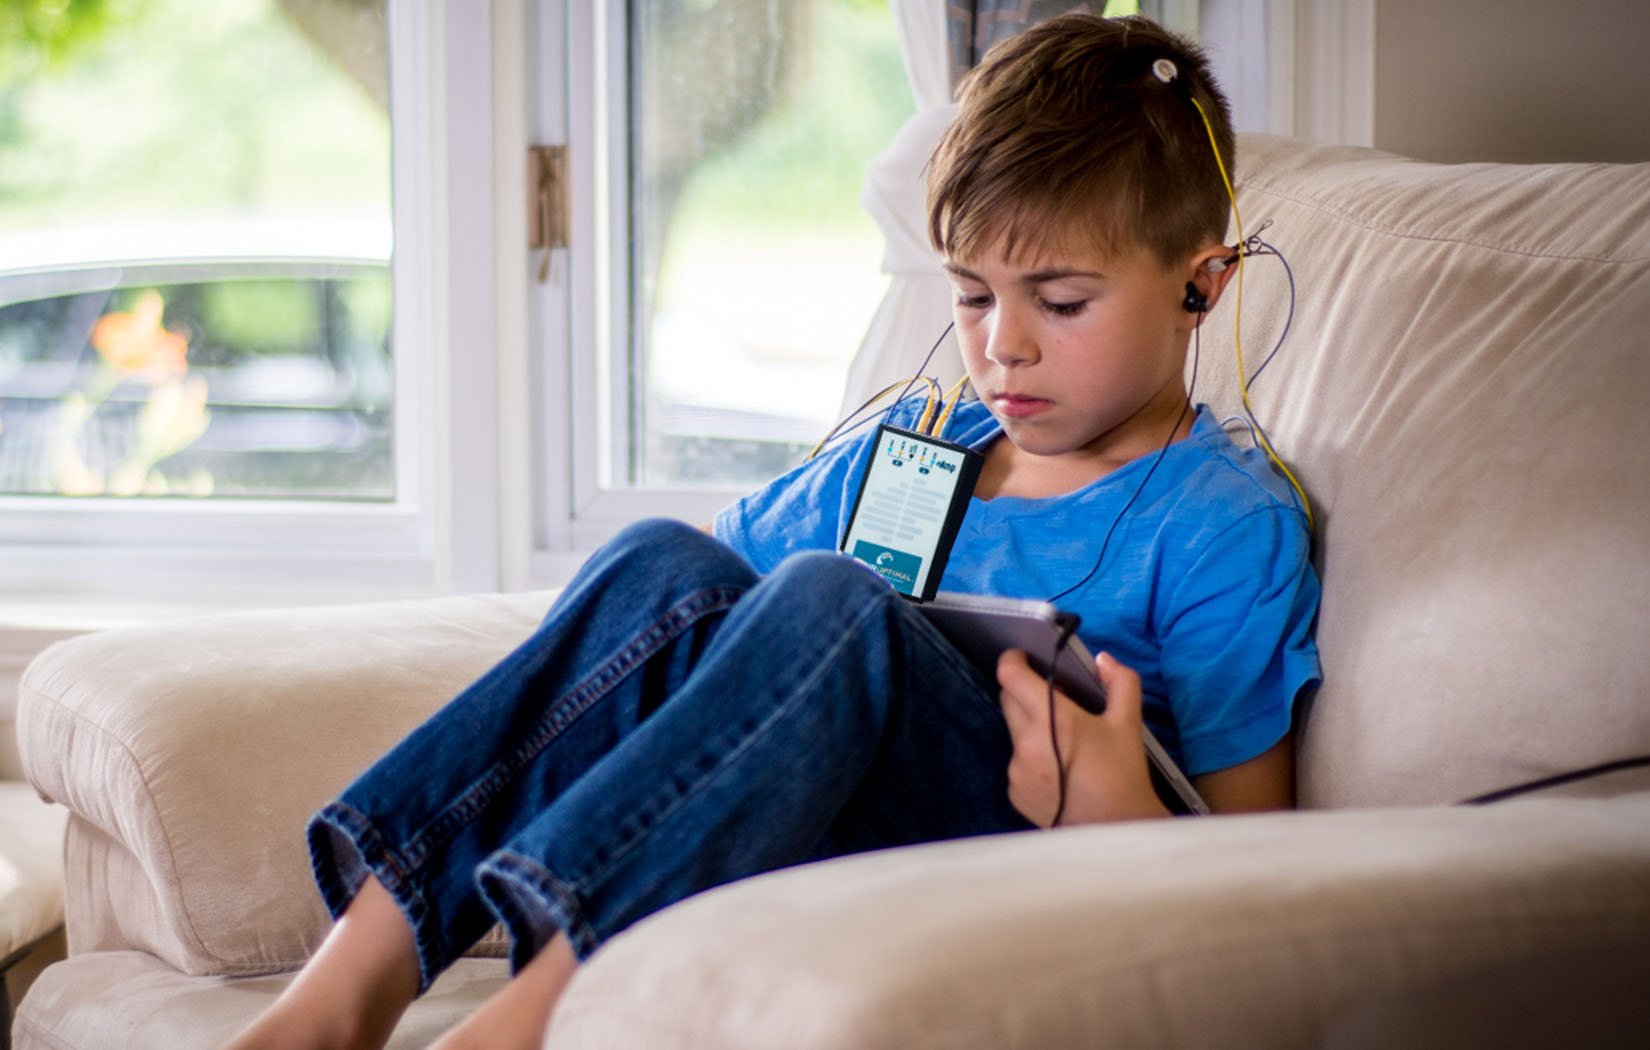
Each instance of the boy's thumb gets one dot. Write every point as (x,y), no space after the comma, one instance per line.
(1122,688)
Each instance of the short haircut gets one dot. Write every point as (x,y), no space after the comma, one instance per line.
(1065,138)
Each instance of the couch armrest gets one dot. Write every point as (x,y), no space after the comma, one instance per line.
(1218,932)
(191,753)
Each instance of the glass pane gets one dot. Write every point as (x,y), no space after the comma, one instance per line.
(755,271)
(194,250)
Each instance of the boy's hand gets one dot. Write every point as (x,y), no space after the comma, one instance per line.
(1104,755)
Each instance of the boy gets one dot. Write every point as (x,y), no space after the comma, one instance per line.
(695,710)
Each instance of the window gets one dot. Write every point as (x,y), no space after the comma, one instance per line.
(753,268)
(722,271)
(217,382)
(194,274)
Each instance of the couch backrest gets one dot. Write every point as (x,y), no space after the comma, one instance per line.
(1463,395)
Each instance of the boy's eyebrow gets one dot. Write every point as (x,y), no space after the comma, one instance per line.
(1056,274)
(1035,277)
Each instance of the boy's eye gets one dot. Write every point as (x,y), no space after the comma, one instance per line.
(1071,309)
(973,302)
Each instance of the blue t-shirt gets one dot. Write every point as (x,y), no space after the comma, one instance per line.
(1206,590)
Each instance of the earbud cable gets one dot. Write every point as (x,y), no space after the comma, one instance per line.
(948,405)
(1237,318)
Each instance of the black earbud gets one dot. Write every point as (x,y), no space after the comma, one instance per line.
(1195,302)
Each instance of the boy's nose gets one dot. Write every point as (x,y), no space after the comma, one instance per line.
(1009,343)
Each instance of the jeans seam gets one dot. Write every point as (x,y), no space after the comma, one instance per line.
(930,635)
(513,873)
(677,797)
(392,873)
(561,713)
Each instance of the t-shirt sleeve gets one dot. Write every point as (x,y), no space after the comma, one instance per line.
(1237,639)
(807,507)
(800,510)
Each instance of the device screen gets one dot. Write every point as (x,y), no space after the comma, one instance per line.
(909,507)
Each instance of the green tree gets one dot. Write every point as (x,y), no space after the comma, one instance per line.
(37,31)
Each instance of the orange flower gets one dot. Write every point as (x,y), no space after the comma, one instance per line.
(134,342)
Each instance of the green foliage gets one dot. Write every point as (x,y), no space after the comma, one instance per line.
(262,317)
(367,308)
(804,162)
(193,109)
(33,32)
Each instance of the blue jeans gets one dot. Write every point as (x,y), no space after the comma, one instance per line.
(675,723)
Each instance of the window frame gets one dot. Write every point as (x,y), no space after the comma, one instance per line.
(580,321)
(59,551)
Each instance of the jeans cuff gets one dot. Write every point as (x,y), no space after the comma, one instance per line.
(344,848)
(534,906)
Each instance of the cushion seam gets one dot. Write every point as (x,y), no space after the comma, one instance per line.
(1372,226)
(37,1032)
(154,808)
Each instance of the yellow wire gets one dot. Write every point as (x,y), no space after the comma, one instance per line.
(898,384)
(929,404)
(949,401)
(1237,319)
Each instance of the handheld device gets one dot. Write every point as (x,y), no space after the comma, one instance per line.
(909,507)
(982,628)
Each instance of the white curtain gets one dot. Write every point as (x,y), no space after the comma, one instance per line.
(917,306)
(939,41)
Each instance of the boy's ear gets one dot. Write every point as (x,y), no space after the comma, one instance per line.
(1212,268)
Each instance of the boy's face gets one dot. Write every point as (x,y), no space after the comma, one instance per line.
(1078,353)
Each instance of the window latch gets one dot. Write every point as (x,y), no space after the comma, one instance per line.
(547,204)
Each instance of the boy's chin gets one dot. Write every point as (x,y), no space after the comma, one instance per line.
(1044,440)
(1041,440)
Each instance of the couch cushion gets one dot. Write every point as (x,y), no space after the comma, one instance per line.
(1592,995)
(192,753)
(1463,395)
(1230,932)
(130,999)
(31,867)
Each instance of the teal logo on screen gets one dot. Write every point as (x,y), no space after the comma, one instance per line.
(897,567)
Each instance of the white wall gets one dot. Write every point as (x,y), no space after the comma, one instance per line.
(1512,80)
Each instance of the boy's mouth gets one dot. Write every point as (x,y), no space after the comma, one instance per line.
(1020,406)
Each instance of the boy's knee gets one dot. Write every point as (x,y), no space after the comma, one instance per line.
(661,557)
(665,544)
(656,534)
(825,576)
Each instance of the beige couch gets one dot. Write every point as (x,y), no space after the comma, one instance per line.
(1462,394)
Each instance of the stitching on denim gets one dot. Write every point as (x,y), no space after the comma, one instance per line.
(929,636)
(359,831)
(711,761)
(562,712)
(355,827)
(513,872)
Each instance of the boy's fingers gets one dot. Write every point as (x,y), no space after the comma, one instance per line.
(1122,689)
(1019,683)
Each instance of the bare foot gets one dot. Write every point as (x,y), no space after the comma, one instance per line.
(353,990)
(517,1015)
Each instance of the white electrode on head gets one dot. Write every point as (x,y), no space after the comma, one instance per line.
(1165,70)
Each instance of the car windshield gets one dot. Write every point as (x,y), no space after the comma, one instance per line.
(259,376)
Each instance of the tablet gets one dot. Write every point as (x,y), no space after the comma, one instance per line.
(983,628)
